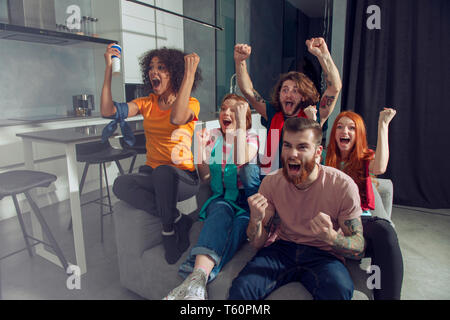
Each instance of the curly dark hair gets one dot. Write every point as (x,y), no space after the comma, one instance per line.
(173,59)
(306,86)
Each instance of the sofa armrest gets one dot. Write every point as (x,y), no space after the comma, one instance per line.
(386,190)
(136,230)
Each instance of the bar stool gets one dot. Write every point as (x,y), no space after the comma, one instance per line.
(16,182)
(139,147)
(100,153)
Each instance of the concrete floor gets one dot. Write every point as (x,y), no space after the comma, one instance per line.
(423,234)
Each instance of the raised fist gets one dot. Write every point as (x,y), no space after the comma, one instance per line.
(191,62)
(387,115)
(257,204)
(240,109)
(242,52)
(317,47)
(311,112)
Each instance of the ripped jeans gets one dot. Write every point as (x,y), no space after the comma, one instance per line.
(223,233)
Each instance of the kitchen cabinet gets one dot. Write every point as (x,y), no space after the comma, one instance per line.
(139,29)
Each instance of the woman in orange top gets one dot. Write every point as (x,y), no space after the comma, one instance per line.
(169,174)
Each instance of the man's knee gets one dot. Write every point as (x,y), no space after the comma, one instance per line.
(241,289)
(338,286)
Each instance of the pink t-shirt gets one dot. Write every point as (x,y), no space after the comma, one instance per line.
(333,193)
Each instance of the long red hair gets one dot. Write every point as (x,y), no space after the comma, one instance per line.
(356,162)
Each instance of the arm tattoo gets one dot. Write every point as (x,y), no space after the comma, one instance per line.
(258,97)
(326,101)
(252,230)
(351,244)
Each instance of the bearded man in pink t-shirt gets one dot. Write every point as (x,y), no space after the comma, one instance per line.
(319,223)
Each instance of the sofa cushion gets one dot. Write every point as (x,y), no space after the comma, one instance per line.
(159,277)
(144,270)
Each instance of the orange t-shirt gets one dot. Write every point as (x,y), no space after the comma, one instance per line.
(167,144)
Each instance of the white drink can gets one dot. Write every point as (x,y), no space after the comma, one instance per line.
(116,60)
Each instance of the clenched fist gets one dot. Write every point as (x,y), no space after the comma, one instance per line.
(258,204)
(317,47)
(191,62)
(240,109)
(311,112)
(386,116)
(241,52)
(322,227)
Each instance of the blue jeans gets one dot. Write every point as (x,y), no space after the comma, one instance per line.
(322,274)
(250,178)
(223,233)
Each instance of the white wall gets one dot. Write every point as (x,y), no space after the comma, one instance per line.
(145,29)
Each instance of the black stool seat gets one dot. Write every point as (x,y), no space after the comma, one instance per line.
(19,181)
(15,182)
(139,146)
(96,152)
(100,153)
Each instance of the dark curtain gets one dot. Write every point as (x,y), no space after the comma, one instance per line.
(404,65)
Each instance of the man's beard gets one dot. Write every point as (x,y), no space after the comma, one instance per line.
(300,105)
(305,170)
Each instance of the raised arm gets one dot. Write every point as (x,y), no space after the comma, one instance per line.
(349,244)
(107,107)
(203,137)
(181,113)
(261,215)
(241,53)
(379,164)
(244,151)
(318,47)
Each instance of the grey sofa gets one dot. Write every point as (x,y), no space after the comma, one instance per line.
(144,270)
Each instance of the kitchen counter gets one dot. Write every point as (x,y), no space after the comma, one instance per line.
(76,134)
(56,118)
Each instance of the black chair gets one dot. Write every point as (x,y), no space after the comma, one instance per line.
(16,182)
(100,153)
(139,147)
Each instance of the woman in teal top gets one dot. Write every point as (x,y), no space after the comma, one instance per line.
(228,161)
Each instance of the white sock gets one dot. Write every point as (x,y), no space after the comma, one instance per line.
(170,233)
